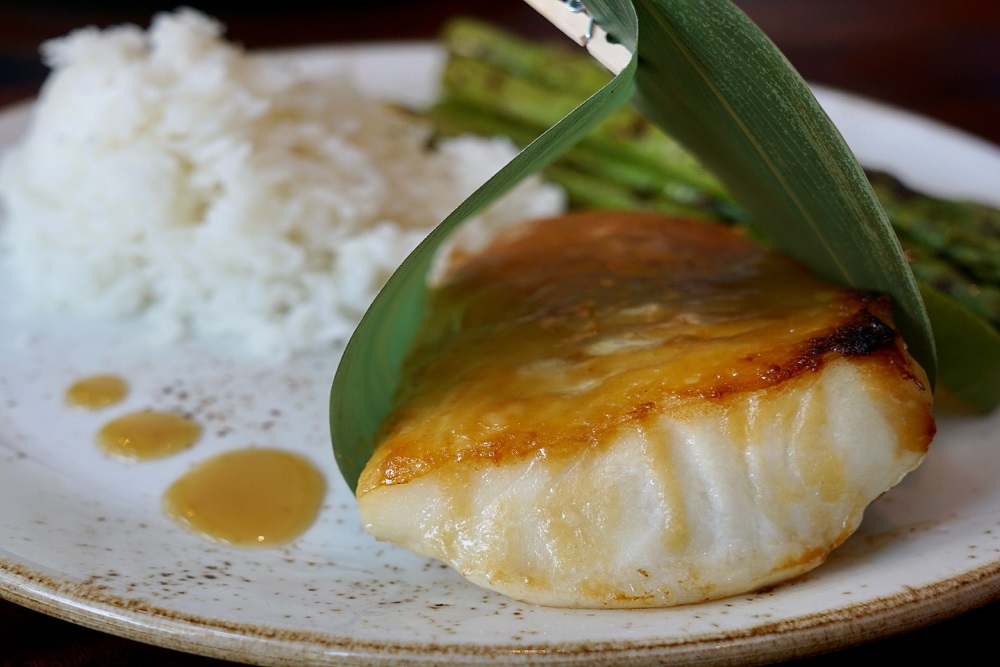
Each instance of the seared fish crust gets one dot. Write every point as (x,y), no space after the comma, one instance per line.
(615,409)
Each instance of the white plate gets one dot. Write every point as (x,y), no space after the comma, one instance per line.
(83,537)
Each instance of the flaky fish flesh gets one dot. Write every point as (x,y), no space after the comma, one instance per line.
(613,409)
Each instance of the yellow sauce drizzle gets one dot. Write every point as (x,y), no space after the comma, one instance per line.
(146,435)
(249,497)
(96,391)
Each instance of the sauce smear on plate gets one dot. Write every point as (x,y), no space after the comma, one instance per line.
(149,434)
(96,391)
(252,497)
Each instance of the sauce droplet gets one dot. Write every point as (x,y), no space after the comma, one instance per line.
(147,435)
(250,497)
(96,391)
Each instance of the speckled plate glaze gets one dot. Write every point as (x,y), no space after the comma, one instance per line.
(82,537)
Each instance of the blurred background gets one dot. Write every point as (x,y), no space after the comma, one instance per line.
(940,58)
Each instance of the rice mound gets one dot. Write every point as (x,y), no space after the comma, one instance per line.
(169,175)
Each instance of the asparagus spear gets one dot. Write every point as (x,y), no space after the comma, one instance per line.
(538,62)
(981,298)
(625,135)
(966,233)
(591,176)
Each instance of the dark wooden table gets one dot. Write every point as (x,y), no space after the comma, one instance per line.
(937,57)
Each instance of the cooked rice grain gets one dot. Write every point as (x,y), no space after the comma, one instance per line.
(171,176)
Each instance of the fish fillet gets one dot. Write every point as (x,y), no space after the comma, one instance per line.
(612,409)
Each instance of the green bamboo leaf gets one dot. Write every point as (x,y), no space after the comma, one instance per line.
(368,373)
(712,80)
(968,351)
(707,75)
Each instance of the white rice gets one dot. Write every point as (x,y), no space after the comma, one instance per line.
(170,176)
